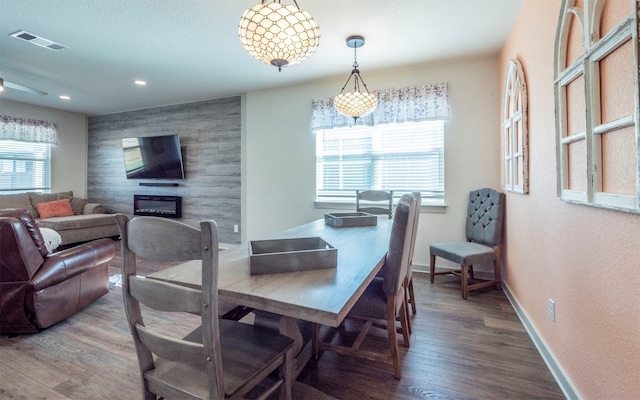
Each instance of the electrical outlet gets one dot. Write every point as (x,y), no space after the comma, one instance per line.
(552,310)
(235,228)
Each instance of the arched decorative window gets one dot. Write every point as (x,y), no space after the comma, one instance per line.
(597,110)
(515,136)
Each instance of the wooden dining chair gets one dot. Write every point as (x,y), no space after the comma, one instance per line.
(410,298)
(383,301)
(408,283)
(483,231)
(379,202)
(221,358)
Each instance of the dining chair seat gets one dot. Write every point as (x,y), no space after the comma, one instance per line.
(464,252)
(242,361)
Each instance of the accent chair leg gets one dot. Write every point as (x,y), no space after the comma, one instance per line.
(432,268)
(496,267)
(496,272)
(465,281)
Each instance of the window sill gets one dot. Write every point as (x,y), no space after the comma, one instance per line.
(434,207)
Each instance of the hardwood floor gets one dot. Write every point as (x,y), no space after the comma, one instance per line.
(474,349)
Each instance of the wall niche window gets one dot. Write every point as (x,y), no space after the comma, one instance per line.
(597,110)
(515,137)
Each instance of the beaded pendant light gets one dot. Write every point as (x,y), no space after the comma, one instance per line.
(279,35)
(357,103)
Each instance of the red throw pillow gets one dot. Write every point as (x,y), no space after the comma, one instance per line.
(58,208)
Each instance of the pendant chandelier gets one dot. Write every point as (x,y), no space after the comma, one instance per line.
(277,34)
(356,104)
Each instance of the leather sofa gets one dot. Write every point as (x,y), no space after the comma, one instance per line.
(38,289)
(88,222)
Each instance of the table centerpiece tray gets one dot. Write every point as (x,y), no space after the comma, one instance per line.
(350,219)
(288,255)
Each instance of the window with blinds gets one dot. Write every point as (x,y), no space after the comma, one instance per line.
(24,166)
(402,157)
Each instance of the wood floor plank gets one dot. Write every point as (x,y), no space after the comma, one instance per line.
(17,385)
(30,366)
(475,349)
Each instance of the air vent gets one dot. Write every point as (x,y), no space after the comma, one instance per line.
(38,41)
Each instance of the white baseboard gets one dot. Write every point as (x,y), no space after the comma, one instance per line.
(555,368)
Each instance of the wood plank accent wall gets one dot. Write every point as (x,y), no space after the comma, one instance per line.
(210,135)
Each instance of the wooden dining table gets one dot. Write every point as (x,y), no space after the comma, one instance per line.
(280,300)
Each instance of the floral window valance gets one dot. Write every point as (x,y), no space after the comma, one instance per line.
(27,130)
(413,103)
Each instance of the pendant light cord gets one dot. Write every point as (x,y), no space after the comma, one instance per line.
(355,72)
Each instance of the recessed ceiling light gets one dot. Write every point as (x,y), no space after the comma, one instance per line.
(140,82)
(63,97)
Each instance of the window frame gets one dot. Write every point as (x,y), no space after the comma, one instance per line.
(587,66)
(515,133)
(14,157)
(430,203)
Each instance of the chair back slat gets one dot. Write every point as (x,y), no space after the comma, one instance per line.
(161,239)
(397,259)
(379,202)
(485,216)
(170,348)
(163,296)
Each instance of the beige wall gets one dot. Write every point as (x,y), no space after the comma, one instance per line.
(69,157)
(585,258)
(280,149)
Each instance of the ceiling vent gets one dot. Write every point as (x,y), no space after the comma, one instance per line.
(38,41)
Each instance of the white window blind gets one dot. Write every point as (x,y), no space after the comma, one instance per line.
(403,157)
(24,166)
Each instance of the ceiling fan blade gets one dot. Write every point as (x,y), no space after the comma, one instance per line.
(15,86)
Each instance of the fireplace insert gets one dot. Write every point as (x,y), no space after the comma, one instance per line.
(157,206)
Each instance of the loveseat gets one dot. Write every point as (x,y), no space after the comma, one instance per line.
(38,289)
(74,218)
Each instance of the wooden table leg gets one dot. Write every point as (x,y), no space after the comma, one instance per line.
(289,327)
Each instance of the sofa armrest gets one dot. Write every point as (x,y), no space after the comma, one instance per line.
(66,264)
(19,260)
(93,208)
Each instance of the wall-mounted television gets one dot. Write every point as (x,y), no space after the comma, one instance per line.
(153,157)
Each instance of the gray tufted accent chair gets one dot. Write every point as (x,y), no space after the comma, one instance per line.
(483,230)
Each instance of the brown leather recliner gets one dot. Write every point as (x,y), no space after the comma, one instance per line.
(38,290)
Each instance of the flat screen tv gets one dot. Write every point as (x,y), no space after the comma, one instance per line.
(153,157)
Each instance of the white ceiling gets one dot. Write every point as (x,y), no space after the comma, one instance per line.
(188,50)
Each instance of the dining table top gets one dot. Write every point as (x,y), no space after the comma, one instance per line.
(323,296)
